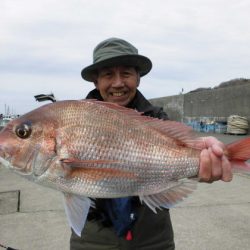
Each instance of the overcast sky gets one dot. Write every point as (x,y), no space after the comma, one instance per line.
(44,44)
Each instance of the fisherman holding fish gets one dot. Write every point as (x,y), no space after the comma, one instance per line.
(126,223)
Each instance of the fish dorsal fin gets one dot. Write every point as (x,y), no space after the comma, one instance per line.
(76,209)
(126,111)
(171,196)
(181,133)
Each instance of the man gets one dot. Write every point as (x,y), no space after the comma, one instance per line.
(125,223)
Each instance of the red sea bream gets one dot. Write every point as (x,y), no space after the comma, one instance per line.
(101,150)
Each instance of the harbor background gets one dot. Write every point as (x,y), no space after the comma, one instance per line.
(211,106)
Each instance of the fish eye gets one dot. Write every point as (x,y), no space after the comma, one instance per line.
(24,130)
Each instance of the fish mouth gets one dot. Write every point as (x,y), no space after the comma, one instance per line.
(5,158)
(5,162)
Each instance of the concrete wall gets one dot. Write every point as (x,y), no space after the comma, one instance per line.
(172,105)
(220,102)
(215,104)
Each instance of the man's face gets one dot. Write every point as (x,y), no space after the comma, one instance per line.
(117,84)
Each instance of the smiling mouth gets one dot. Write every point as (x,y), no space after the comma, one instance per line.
(117,94)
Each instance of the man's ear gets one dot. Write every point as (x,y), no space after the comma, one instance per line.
(96,85)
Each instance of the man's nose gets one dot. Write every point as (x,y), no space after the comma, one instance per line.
(118,81)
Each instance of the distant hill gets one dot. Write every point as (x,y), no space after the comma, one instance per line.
(237,81)
(231,83)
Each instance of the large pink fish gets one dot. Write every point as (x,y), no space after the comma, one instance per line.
(101,150)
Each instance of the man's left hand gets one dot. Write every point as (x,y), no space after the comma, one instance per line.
(214,165)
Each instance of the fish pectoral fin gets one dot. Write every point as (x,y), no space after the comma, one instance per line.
(76,209)
(90,169)
(98,174)
(171,196)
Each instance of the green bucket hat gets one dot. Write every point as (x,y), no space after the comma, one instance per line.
(115,51)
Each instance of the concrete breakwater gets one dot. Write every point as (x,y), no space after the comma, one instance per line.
(212,107)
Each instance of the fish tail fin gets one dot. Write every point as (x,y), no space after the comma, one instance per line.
(238,153)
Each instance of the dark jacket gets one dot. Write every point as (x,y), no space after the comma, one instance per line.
(139,103)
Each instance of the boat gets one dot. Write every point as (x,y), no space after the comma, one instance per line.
(4,121)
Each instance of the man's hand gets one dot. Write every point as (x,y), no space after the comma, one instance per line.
(214,165)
